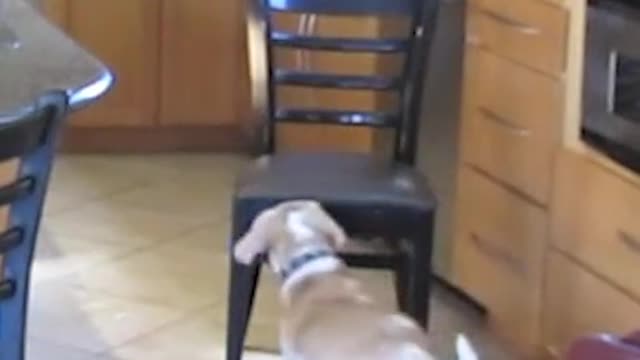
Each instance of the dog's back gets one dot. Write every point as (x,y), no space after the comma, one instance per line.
(327,314)
(334,319)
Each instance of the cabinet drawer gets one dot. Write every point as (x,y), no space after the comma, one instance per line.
(520,99)
(520,162)
(512,120)
(529,32)
(597,220)
(577,303)
(499,243)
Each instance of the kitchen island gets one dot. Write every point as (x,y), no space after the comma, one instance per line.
(43,76)
(35,58)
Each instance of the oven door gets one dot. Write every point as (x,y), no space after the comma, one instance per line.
(611,98)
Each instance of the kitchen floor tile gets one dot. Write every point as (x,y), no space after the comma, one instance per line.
(170,274)
(106,222)
(61,254)
(92,321)
(201,338)
(132,265)
(43,350)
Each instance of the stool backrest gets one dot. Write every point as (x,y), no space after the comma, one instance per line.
(26,155)
(412,47)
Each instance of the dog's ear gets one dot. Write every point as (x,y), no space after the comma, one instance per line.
(320,220)
(249,247)
(255,241)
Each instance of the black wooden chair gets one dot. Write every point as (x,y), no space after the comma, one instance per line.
(27,138)
(370,197)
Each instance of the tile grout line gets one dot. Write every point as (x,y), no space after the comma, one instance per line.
(61,345)
(93,200)
(186,316)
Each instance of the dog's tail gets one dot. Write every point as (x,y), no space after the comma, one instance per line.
(464,349)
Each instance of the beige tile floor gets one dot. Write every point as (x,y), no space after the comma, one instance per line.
(131,265)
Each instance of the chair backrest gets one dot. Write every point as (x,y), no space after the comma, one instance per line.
(26,155)
(601,347)
(413,47)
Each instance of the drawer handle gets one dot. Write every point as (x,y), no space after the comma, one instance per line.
(629,240)
(513,128)
(497,254)
(472,40)
(517,25)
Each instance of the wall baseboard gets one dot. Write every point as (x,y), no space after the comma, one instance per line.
(223,138)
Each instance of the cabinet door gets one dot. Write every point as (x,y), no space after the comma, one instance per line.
(56,11)
(578,303)
(125,35)
(204,71)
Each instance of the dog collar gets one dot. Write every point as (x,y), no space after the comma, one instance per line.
(301,260)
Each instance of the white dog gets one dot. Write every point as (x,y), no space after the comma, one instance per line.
(326,313)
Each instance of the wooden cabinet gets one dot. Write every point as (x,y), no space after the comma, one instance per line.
(597,220)
(499,255)
(202,63)
(591,282)
(180,67)
(512,122)
(578,302)
(124,34)
(547,235)
(531,32)
(514,99)
(56,11)
(182,76)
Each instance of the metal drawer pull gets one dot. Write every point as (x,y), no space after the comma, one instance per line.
(472,40)
(629,240)
(513,128)
(498,254)
(517,25)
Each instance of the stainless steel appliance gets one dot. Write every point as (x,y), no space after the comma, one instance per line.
(439,127)
(611,97)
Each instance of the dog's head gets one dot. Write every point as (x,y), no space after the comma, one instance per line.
(282,229)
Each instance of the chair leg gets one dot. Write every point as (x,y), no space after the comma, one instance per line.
(401,273)
(419,274)
(418,290)
(242,288)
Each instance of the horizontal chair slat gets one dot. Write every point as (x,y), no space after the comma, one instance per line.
(355,82)
(346,7)
(7,289)
(16,191)
(10,239)
(338,117)
(284,39)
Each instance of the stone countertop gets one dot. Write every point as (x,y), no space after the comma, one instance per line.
(36,57)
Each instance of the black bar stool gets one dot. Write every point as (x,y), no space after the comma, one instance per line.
(371,198)
(28,139)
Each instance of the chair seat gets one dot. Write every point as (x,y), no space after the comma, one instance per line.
(341,181)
